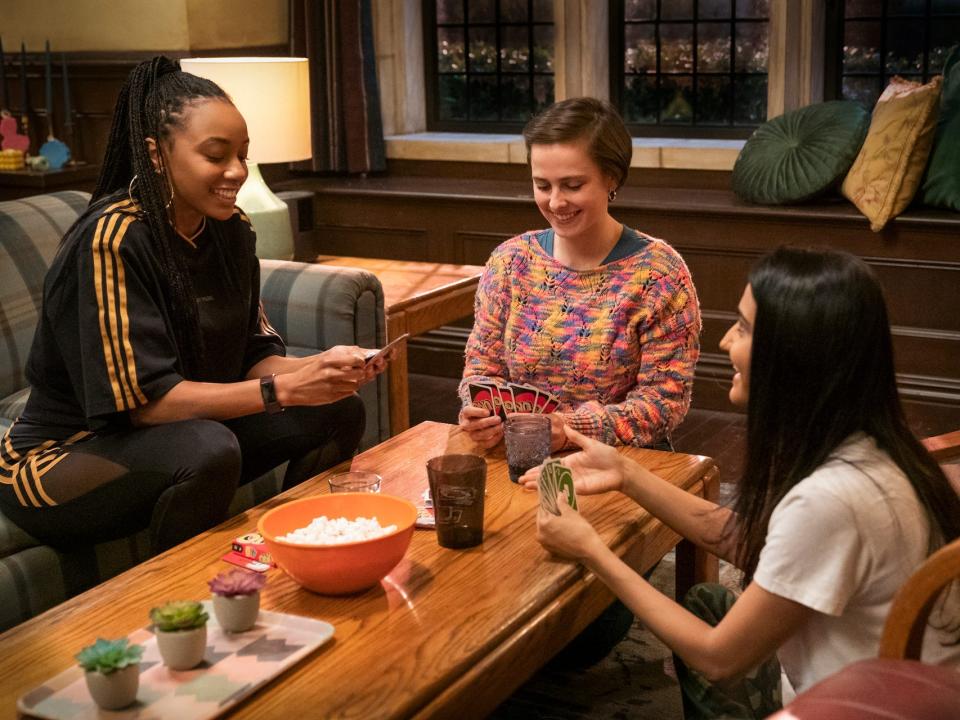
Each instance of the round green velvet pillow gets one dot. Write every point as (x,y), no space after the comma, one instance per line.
(800,154)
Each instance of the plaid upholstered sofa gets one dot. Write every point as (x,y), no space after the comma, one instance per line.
(312,307)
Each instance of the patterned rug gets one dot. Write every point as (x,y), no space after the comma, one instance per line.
(634,681)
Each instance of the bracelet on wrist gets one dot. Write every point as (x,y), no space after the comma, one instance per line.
(268,391)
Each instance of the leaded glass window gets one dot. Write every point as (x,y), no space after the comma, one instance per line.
(873,40)
(690,67)
(490,63)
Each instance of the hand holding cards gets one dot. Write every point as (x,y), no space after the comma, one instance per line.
(555,478)
(512,398)
(385,352)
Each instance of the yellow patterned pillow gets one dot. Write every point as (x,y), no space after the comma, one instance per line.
(887,172)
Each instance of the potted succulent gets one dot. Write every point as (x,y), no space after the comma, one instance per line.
(112,672)
(181,629)
(236,598)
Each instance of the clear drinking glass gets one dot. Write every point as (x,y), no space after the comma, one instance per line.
(355,481)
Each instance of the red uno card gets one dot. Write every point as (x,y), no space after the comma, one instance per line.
(497,401)
(508,400)
(481,396)
(541,402)
(551,404)
(524,398)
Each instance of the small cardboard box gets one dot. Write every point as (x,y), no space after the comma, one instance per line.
(249,551)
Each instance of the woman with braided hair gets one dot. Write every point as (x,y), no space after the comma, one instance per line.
(157,384)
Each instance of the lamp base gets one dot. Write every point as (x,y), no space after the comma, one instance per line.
(269,214)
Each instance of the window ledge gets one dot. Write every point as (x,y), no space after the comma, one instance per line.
(673,153)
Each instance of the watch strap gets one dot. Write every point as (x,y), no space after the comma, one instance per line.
(268,391)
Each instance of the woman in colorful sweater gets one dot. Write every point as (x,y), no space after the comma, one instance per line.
(602,316)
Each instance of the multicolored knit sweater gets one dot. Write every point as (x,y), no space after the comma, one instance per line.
(617,344)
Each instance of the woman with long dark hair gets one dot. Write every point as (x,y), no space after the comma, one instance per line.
(838,505)
(157,384)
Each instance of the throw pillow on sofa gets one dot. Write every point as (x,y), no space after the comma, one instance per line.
(800,154)
(941,187)
(887,172)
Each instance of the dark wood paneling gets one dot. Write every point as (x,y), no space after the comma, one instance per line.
(404,244)
(462,218)
(95,82)
(477,246)
(520,173)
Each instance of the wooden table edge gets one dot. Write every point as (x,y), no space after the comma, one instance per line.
(584,600)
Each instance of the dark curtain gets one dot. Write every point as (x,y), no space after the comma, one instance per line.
(337,37)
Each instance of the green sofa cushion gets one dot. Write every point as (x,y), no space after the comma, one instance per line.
(800,154)
(941,187)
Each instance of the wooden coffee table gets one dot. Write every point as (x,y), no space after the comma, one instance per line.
(417,297)
(449,633)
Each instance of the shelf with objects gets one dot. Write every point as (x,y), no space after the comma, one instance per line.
(32,162)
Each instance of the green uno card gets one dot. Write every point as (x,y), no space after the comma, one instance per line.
(547,486)
(555,478)
(564,482)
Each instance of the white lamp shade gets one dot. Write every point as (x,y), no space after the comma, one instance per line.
(272,94)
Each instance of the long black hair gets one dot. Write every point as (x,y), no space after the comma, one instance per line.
(821,369)
(151,104)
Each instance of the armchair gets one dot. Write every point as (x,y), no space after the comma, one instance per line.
(312,307)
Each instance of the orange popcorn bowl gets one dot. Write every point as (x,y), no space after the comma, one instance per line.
(346,568)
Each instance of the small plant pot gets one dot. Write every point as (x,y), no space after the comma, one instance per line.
(182,649)
(115,690)
(236,613)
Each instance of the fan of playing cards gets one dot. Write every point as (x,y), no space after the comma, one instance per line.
(512,398)
(555,478)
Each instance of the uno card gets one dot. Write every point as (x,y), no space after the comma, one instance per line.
(508,400)
(547,486)
(481,396)
(547,402)
(385,351)
(563,477)
(525,398)
(497,401)
(550,404)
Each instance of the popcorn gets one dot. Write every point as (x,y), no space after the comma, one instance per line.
(337,531)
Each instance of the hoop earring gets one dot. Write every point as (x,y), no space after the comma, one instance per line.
(612,195)
(133,181)
(170,201)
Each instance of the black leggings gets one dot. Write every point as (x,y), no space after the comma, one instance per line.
(178,478)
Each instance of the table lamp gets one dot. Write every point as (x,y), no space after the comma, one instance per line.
(273,95)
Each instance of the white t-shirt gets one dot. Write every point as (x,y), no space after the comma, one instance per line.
(842,542)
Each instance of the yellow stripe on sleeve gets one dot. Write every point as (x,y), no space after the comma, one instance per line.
(111,292)
(131,384)
(103,303)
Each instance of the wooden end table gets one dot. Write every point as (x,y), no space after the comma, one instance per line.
(418,296)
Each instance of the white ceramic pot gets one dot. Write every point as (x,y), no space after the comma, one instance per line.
(182,649)
(237,613)
(115,690)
